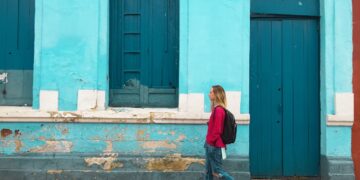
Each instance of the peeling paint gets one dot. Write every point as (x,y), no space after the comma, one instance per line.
(54,171)
(106,163)
(109,147)
(42,138)
(65,116)
(181,138)
(140,135)
(65,131)
(152,117)
(18,145)
(62,129)
(5,133)
(54,146)
(172,163)
(120,137)
(17,133)
(158,144)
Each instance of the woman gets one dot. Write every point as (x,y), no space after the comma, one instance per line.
(214,143)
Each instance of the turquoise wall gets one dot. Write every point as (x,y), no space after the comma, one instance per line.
(131,139)
(76,33)
(336,69)
(71,48)
(214,45)
(71,53)
(338,141)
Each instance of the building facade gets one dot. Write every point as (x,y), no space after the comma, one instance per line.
(121,86)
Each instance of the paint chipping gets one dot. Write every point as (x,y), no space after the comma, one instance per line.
(18,145)
(181,138)
(158,144)
(54,171)
(109,147)
(42,138)
(120,137)
(62,128)
(140,135)
(65,131)
(54,146)
(64,116)
(106,163)
(5,133)
(152,117)
(17,133)
(172,163)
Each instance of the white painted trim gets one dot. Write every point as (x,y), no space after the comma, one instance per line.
(233,101)
(344,103)
(91,100)
(195,103)
(111,115)
(340,120)
(344,110)
(183,102)
(86,100)
(101,100)
(49,100)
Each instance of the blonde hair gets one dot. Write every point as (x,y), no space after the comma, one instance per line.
(220,97)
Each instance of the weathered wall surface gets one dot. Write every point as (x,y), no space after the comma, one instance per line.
(71,53)
(124,139)
(336,73)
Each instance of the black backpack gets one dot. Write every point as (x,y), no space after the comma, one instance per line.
(229,133)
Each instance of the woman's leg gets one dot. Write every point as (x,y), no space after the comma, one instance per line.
(217,168)
(208,169)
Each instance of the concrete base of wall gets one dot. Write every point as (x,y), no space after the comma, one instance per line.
(337,168)
(111,166)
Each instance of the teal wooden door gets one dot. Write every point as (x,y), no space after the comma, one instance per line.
(284,97)
(16,51)
(144,53)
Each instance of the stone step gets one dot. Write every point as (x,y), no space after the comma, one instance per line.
(341,167)
(341,177)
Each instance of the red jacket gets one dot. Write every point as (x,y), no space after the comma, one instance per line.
(216,127)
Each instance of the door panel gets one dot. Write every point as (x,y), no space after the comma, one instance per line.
(301,95)
(284,97)
(266,115)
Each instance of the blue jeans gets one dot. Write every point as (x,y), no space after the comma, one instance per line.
(213,163)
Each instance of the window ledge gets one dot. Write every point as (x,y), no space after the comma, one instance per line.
(111,115)
(340,120)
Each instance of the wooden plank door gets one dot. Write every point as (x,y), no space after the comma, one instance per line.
(284,97)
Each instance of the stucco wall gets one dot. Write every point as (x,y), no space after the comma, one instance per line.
(336,72)
(71,49)
(214,47)
(71,54)
(124,139)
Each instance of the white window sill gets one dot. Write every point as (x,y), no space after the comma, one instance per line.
(340,120)
(111,115)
